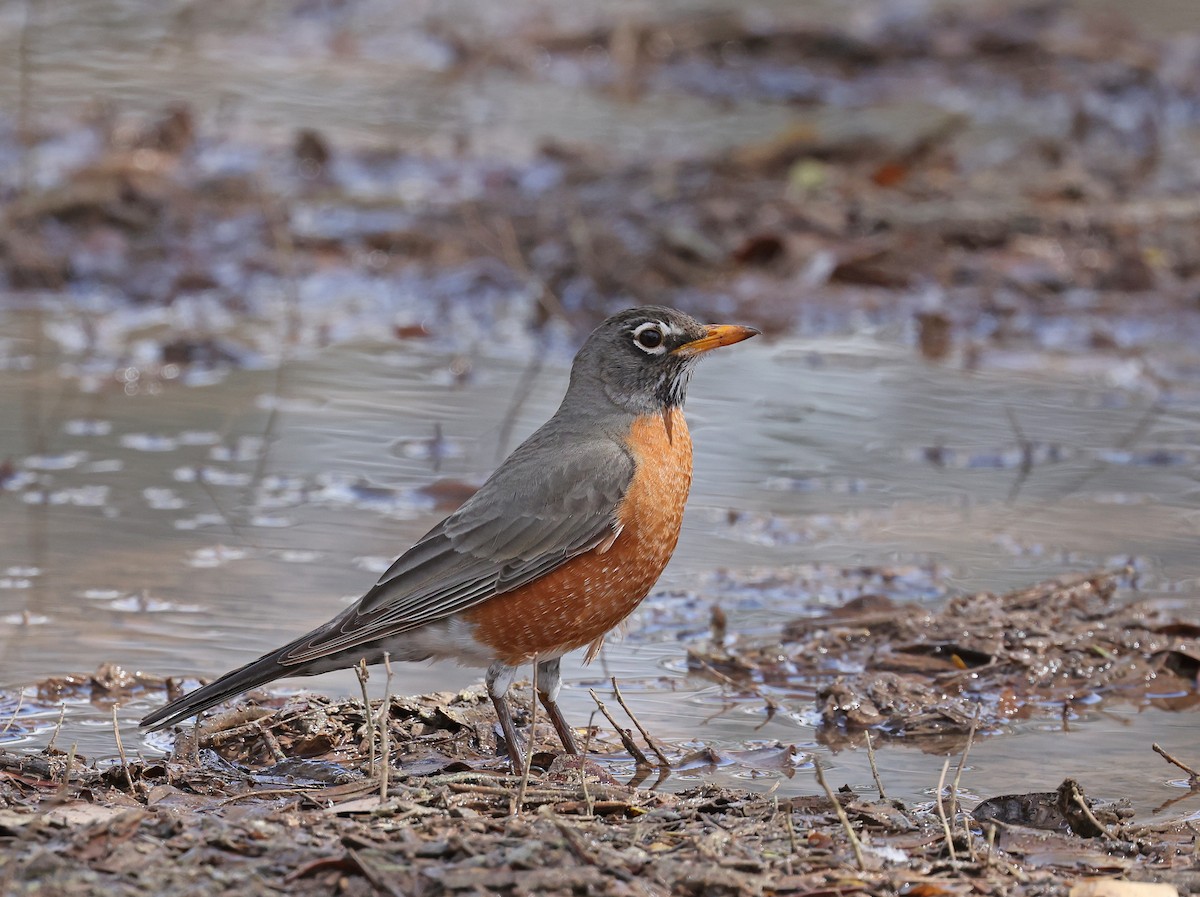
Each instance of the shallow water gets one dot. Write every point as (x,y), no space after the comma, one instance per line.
(183,529)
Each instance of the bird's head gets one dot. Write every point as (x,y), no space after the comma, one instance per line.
(642,358)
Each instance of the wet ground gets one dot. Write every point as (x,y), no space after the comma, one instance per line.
(169,529)
(291,793)
(253,344)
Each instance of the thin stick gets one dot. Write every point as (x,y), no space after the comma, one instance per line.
(17,712)
(587,743)
(271,742)
(385,749)
(841,815)
(1157,748)
(62,712)
(62,791)
(533,705)
(219,737)
(121,750)
(361,672)
(962,762)
(840,812)
(787,823)
(1084,810)
(630,745)
(942,811)
(662,758)
(271,792)
(874,768)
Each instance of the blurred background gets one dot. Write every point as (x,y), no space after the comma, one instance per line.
(280,282)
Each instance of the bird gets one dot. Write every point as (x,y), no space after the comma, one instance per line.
(556,548)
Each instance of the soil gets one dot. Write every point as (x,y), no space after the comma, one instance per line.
(288,794)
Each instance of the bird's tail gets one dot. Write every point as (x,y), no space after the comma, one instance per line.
(253,674)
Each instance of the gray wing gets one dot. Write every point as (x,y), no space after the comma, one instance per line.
(545,505)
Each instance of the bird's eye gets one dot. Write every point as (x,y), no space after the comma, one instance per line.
(649,337)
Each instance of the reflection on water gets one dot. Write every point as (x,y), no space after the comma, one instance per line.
(184,529)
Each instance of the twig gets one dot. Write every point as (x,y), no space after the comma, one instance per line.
(662,758)
(363,675)
(271,742)
(1193,776)
(62,712)
(942,811)
(62,791)
(787,823)
(874,768)
(121,750)
(533,706)
(502,791)
(269,792)
(16,712)
(1070,796)
(587,743)
(385,750)
(962,762)
(626,739)
(841,815)
(218,737)
(577,844)
(370,873)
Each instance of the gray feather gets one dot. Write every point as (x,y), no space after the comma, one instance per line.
(548,503)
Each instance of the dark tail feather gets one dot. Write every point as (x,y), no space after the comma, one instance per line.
(259,672)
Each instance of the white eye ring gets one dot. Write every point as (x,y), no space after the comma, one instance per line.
(658,327)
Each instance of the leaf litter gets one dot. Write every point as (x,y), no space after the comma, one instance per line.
(929,675)
(278,794)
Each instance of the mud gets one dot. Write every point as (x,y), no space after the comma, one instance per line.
(933,675)
(184,831)
(290,792)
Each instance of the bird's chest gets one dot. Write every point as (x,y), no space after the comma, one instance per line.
(577,603)
(617,577)
(652,511)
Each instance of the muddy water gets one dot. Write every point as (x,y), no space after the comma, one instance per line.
(184,528)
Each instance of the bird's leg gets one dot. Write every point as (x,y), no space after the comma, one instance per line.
(549,681)
(499,677)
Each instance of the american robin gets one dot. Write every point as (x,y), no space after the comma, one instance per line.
(560,544)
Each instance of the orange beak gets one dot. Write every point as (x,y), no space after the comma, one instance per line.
(716,336)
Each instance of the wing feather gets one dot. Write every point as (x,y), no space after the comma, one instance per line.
(545,505)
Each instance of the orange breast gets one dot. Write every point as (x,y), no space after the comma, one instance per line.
(589,595)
